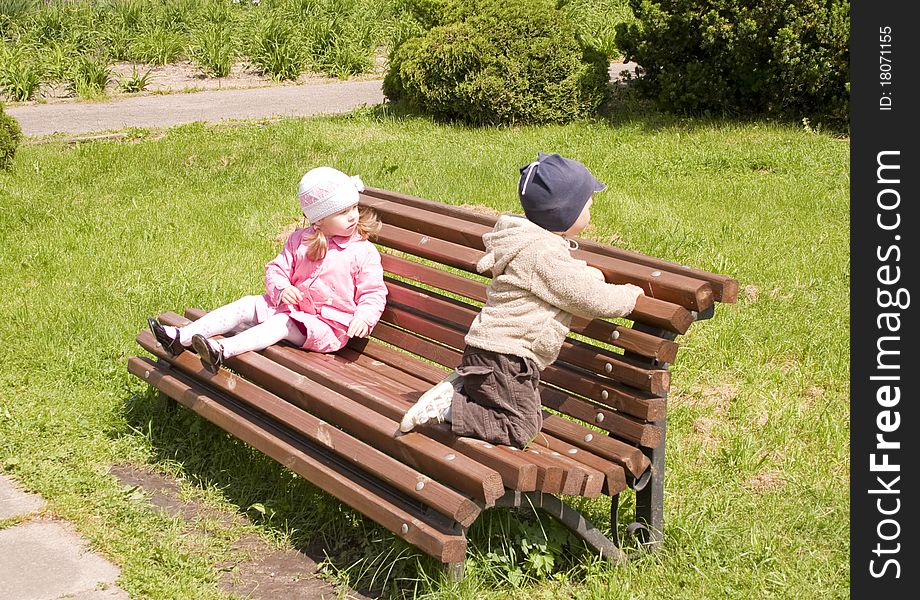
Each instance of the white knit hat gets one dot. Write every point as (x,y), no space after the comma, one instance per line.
(325,191)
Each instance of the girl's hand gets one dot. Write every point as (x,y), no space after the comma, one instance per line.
(291,295)
(358,328)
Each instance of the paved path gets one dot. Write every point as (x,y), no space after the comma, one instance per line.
(42,559)
(74,118)
(166,110)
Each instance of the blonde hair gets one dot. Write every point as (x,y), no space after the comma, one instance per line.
(368,225)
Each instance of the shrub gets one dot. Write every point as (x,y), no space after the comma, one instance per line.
(10,135)
(497,62)
(783,58)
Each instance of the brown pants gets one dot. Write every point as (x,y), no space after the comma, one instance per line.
(500,402)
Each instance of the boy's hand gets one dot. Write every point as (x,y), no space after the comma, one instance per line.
(291,295)
(636,288)
(358,328)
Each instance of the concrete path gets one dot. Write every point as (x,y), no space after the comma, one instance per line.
(43,559)
(166,110)
(74,117)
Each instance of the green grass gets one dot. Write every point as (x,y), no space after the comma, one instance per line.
(96,236)
(281,38)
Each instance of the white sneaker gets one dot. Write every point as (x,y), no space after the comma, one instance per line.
(433,404)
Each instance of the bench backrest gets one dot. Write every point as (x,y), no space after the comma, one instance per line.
(609,375)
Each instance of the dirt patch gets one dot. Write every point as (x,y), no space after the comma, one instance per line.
(765,482)
(186,76)
(256,569)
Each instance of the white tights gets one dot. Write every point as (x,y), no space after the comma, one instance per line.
(257,336)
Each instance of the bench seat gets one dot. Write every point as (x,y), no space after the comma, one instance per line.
(334,418)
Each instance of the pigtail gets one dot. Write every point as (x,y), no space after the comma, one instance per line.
(316,244)
(368,225)
(368,222)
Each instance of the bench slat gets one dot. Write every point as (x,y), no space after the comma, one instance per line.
(330,370)
(725,289)
(654,381)
(691,293)
(461,316)
(400,476)
(614,477)
(649,309)
(513,472)
(630,457)
(355,490)
(632,340)
(556,373)
(420,452)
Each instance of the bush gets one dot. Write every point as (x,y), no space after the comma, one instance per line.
(489,62)
(783,58)
(10,135)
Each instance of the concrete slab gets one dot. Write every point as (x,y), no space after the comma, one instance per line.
(45,560)
(15,502)
(212,106)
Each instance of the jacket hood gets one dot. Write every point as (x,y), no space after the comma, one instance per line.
(511,235)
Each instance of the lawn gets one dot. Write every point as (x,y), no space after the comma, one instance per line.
(96,236)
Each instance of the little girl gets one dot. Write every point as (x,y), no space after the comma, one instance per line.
(323,288)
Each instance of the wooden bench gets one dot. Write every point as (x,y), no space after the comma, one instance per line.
(333,418)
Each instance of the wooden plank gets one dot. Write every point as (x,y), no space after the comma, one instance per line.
(556,374)
(649,309)
(692,294)
(585,480)
(552,472)
(421,321)
(402,477)
(629,457)
(461,315)
(614,477)
(348,378)
(607,332)
(446,227)
(420,452)
(634,431)
(545,481)
(725,289)
(337,374)
(415,271)
(401,518)
(439,208)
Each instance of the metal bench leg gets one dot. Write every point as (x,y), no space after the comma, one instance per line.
(650,499)
(649,523)
(454,570)
(568,516)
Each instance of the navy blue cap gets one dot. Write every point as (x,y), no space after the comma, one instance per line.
(553,190)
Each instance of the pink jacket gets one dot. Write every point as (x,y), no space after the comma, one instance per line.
(347,283)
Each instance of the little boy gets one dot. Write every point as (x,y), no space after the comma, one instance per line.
(536,288)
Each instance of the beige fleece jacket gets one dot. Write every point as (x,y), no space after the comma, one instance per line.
(536,288)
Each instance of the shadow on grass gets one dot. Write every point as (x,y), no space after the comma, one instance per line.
(355,550)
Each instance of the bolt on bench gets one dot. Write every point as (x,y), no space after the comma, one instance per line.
(334,418)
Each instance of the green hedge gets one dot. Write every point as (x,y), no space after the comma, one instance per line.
(788,59)
(10,135)
(488,62)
